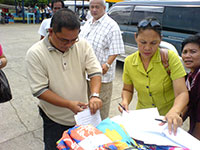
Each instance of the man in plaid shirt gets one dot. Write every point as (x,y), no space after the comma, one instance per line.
(103,33)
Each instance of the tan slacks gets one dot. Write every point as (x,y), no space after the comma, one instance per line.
(105,96)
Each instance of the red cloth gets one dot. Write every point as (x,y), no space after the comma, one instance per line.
(1,50)
(193,82)
(72,138)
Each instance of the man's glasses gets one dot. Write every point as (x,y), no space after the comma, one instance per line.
(149,23)
(66,41)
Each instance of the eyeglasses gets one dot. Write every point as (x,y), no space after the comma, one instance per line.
(149,23)
(66,41)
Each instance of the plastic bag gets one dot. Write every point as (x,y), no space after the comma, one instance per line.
(5,92)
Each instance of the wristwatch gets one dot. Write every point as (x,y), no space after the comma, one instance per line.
(94,95)
(108,65)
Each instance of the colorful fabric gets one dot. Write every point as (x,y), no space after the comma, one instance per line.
(123,141)
(84,137)
(117,134)
(154,86)
(75,139)
(157,147)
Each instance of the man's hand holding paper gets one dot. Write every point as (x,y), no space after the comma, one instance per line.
(85,118)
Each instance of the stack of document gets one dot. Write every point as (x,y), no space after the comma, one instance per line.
(141,125)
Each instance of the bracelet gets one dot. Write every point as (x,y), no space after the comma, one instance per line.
(108,65)
(94,95)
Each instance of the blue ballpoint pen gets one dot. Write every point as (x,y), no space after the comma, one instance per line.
(122,107)
(163,121)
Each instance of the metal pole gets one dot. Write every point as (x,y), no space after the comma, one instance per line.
(75,6)
(83,11)
(16,6)
(23,11)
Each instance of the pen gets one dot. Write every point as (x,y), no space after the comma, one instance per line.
(122,107)
(163,121)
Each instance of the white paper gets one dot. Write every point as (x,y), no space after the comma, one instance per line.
(184,138)
(85,118)
(92,142)
(141,125)
(143,119)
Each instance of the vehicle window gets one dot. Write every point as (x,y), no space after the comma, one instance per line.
(120,14)
(184,19)
(141,12)
(149,8)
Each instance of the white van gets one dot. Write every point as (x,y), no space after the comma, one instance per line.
(79,7)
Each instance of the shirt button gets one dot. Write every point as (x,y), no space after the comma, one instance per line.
(150,94)
(65,64)
(147,86)
(153,105)
(147,76)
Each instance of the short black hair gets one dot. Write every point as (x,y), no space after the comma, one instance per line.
(55,1)
(191,39)
(64,18)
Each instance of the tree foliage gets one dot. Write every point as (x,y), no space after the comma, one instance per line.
(26,2)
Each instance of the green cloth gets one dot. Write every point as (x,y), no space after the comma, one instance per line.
(154,86)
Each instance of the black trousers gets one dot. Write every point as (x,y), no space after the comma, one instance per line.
(52,131)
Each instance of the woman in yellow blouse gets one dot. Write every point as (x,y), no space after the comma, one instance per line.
(144,71)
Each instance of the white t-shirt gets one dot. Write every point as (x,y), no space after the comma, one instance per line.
(45,25)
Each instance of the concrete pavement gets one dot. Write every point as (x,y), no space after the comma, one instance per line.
(20,123)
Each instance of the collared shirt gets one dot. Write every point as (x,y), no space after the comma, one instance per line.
(193,85)
(105,37)
(62,73)
(154,86)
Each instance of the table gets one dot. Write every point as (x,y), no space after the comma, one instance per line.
(29,17)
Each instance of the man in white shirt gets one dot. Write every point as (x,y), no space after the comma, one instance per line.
(103,33)
(45,25)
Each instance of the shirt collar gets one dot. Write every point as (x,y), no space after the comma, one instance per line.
(193,74)
(49,46)
(156,58)
(100,20)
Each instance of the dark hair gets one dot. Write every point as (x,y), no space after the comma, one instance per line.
(149,23)
(55,1)
(191,39)
(64,18)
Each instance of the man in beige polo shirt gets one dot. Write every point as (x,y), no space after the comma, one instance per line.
(56,71)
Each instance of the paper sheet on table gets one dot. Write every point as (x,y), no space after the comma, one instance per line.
(141,125)
(143,119)
(184,138)
(85,118)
